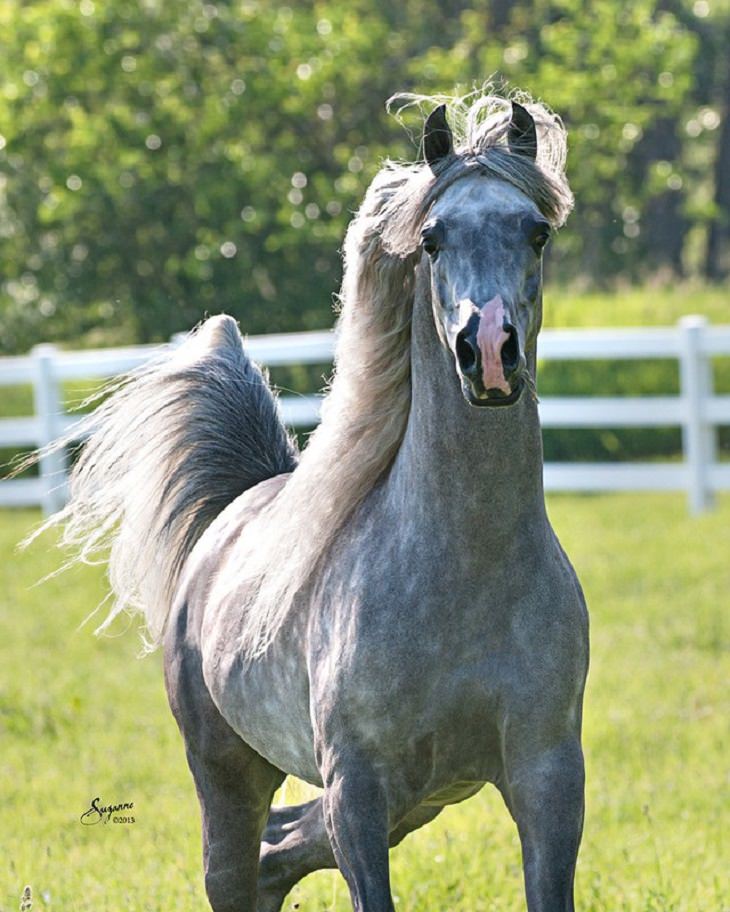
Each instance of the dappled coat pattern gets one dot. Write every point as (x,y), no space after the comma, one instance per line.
(388,616)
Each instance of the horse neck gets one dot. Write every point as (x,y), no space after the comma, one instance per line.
(474,473)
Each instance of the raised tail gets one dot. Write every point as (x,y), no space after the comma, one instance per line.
(167,451)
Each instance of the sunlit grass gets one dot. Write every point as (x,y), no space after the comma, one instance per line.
(660,305)
(83,717)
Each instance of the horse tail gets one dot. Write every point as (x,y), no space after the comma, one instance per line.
(172,444)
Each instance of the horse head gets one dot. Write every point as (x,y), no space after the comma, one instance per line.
(482,240)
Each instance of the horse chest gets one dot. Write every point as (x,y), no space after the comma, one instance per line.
(388,690)
(435,731)
(426,683)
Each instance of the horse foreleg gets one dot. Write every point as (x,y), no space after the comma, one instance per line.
(346,828)
(234,793)
(545,797)
(235,785)
(283,816)
(295,843)
(356,817)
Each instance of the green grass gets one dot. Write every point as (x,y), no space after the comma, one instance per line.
(82,717)
(660,305)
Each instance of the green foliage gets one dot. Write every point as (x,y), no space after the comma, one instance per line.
(163,160)
(611,71)
(82,717)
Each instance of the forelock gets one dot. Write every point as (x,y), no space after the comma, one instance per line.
(402,194)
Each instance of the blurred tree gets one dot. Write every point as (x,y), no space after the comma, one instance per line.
(163,159)
(713,100)
(703,131)
(616,72)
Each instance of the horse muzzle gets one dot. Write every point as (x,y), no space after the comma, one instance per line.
(488,355)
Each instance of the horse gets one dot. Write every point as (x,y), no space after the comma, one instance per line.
(388,614)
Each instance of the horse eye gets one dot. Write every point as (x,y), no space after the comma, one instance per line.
(539,239)
(430,246)
(432,238)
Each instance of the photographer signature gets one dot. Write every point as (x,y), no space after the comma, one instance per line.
(117,813)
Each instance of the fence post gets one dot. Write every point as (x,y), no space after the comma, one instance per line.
(695,379)
(48,409)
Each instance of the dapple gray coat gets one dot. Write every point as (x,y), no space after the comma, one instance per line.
(428,636)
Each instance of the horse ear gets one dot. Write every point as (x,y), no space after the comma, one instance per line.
(438,141)
(522,135)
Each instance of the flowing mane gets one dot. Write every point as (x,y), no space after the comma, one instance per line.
(145,486)
(366,410)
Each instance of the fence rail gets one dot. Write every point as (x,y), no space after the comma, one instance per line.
(697,410)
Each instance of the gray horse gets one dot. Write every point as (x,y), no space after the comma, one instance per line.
(390,615)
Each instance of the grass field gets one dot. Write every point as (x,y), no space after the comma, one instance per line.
(83,717)
(634,305)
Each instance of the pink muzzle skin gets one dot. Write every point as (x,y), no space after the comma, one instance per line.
(490,339)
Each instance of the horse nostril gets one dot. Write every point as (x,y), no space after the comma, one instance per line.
(510,353)
(466,353)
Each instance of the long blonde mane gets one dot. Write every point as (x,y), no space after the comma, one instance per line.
(366,410)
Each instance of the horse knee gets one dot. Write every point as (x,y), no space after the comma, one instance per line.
(227,889)
(273,882)
(545,796)
(273,867)
(554,776)
(295,843)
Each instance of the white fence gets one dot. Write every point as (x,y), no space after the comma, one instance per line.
(697,410)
